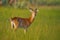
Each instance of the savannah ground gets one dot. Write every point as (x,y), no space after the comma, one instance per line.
(46,25)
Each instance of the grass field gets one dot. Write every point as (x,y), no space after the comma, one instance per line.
(46,25)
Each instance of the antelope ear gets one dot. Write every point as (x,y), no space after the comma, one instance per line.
(36,9)
(30,9)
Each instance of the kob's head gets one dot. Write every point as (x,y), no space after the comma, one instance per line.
(33,10)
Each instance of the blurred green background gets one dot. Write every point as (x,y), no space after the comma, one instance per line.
(46,25)
(25,3)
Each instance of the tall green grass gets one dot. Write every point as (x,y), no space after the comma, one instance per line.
(46,25)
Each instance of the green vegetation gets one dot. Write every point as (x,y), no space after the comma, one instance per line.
(46,25)
(24,3)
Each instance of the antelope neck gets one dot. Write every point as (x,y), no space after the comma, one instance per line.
(32,17)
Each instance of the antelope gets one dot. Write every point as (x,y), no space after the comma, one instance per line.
(17,22)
